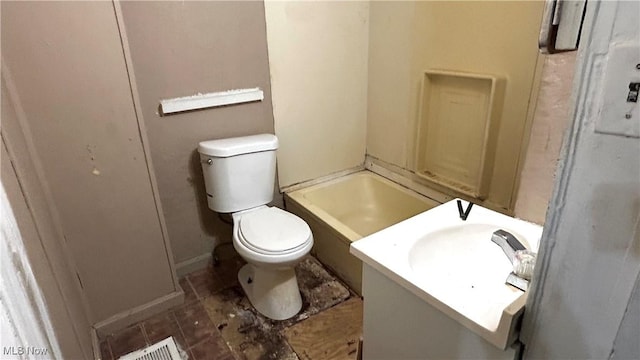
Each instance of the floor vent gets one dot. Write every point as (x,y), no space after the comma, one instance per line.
(163,350)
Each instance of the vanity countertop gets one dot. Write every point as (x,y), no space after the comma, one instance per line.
(454,266)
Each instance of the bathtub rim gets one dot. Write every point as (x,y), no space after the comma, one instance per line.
(298,196)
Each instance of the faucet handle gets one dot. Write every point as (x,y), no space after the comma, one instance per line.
(464,213)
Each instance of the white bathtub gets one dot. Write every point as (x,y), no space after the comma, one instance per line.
(349,208)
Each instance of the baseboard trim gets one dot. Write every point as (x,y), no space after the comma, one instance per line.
(196,263)
(123,319)
(95,344)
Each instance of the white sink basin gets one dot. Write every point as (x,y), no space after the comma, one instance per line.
(454,266)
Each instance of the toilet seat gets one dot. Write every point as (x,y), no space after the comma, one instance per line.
(270,230)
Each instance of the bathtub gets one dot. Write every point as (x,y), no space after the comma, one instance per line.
(346,209)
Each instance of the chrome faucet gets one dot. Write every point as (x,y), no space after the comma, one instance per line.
(512,247)
(508,243)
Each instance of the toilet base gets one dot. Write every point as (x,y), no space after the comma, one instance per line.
(273,292)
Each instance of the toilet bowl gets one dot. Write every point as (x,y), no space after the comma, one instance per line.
(272,241)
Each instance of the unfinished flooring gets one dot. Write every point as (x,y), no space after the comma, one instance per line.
(218,322)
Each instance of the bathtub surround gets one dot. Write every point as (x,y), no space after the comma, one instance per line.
(403,39)
(457,128)
(318,63)
(406,39)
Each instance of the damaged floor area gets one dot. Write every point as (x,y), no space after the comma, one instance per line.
(218,322)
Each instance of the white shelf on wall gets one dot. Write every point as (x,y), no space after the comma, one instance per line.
(209,100)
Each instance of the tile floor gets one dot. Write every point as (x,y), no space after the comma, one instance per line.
(217,321)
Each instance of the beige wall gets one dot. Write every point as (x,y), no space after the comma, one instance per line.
(53,270)
(393,86)
(69,78)
(407,38)
(180,49)
(547,132)
(318,61)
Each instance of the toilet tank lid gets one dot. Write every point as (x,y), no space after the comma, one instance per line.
(238,145)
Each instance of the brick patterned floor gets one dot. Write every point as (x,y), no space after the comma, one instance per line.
(216,320)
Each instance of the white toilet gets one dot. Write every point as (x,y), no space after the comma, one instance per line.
(239,176)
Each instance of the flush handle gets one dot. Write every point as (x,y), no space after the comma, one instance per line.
(208,161)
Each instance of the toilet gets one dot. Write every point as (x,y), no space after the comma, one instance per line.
(239,175)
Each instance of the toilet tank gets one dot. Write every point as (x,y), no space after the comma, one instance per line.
(239,173)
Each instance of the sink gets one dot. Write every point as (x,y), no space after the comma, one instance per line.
(466,243)
(454,266)
(468,266)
